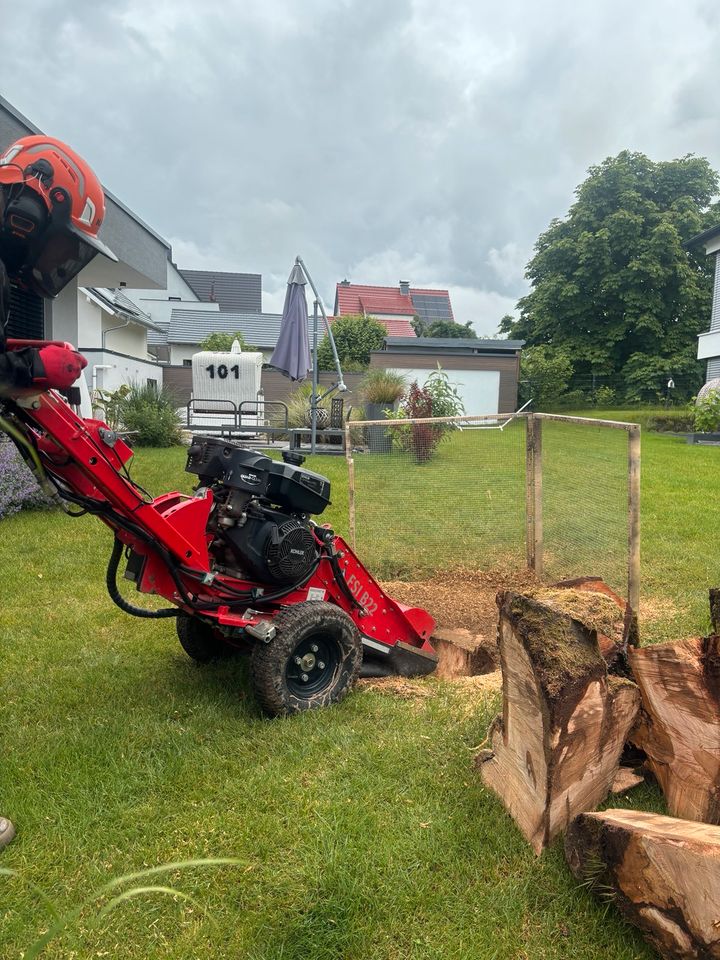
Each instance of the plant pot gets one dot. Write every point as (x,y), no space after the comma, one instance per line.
(713,439)
(378,438)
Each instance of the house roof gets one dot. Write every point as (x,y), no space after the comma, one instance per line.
(359,298)
(192,326)
(117,304)
(235,292)
(703,237)
(452,345)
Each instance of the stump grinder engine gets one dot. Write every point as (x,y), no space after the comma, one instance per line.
(241,561)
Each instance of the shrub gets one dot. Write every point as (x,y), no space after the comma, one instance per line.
(383,386)
(355,337)
(222,342)
(438,398)
(707,413)
(298,404)
(18,488)
(151,416)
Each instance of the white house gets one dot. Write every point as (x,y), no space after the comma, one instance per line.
(92,312)
(709,342)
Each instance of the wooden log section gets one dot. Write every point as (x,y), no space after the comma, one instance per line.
(679,726)
(618,629)
(464,654)
(662,873)
(555,751)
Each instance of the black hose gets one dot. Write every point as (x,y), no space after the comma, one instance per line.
(111,580)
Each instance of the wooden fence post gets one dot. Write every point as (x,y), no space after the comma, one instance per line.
(533,495)
(634,517)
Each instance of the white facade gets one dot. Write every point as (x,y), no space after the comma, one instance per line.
(159,304)
(479,390)
(709,343)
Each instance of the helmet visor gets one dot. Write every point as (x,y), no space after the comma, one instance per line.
(62,257)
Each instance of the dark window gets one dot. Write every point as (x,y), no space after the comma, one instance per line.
(187,363)
(178,299)
(152,384)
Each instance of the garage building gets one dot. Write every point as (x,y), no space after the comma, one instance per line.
(486,372)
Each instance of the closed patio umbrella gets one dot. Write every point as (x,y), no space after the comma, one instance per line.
(291,355)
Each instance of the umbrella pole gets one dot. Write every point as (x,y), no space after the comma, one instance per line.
(318,299)
(313,402)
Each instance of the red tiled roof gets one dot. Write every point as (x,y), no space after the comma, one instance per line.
(398,328)
(357,298)
(395,328)
(360,298)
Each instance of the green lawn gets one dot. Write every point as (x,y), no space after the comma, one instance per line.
(362,831)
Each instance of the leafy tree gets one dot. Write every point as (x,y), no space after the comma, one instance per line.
(611,283)
(544,374)
(448,328)
(355,337)
(222,342)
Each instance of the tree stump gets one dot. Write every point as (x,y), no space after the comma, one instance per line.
(615,633)
(662,873)
(556,748)
(679,725)
(463,654)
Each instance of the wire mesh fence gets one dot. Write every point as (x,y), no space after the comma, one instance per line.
(558,494)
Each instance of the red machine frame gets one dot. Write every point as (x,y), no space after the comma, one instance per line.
(169,538)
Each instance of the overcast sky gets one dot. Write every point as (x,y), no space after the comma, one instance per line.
(382,140)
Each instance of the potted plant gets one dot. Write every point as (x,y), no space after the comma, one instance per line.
(381,391)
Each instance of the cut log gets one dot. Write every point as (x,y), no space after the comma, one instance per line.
(663,874)
(557,746)
(464,654)
(625,779)
(679,726)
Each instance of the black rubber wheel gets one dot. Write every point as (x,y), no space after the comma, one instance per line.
(313,660)
(199,640)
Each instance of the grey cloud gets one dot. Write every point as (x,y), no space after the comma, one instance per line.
(366,135)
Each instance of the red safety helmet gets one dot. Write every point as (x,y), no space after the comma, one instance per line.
(51,209)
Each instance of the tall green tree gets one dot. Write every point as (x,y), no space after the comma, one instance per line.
(443,328)
(355,337)
(611,283)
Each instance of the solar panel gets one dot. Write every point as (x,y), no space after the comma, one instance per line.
(432,307)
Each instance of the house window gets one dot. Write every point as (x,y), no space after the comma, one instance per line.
(153,384)
(177,299)
(187,363)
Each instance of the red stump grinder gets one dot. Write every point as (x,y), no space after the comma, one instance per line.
(241,561)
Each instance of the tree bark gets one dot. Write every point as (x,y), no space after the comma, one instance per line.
(715,609)
(556,748)
(679,726)
(662,873)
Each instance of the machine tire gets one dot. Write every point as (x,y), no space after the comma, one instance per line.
(327,643)
(199,640)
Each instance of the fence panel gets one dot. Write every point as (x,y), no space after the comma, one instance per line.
(558,494)
(438,496)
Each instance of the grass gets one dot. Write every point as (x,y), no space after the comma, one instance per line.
(361,830)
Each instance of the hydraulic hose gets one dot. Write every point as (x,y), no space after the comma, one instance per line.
(111,580)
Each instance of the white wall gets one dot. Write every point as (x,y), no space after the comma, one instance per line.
(478,389)
(130,339)
(122,370)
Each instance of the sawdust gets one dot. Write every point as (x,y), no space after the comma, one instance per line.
(462,597)
(473,688)
(595,610)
